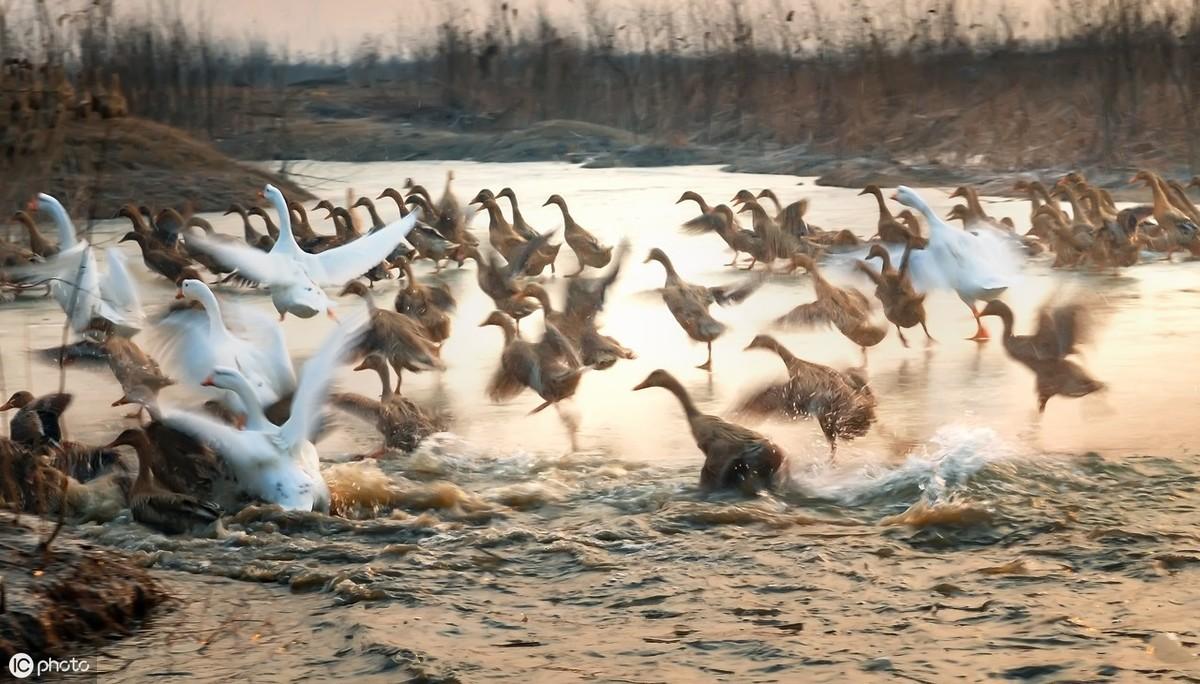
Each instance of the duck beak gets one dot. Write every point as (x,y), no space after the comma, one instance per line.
(32,204)
(179,294)
(208,382)
(641,386)
(361,366)
(122,401)
(894,197)
(7,405)
(332,316)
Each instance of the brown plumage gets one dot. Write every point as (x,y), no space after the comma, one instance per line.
(402,423)
(500,232)
(249,233)
(577,322)
(1180,230)
(734,457)
(721,220)
(168,263)
(396,197)
(500,281)
(37,421)
(689,303)
(399,339)
(545,256)
(846,309)
(902,304)
(430,305)
(1059,332)
(588,250)
(842,403)
(975,213)
(888,227)
(133,368)
(156,507)
(38,244)
(550,367)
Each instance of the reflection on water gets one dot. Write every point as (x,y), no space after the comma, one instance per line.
(964,536)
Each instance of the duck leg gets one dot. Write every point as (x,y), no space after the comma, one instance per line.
(572,425)
(928,338)
(707,365)
(753,260)
(981,333)
(901,334)
(735,258)
(576,273)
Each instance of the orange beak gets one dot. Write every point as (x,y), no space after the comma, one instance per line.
(179,294)
(260,194)
(894,197)
(332,316)
(32,205)
(208,382)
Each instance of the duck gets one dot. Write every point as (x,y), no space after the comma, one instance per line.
(277,464)
(249,233)
(37,422)
(401,421)
(500,232)
(194,342)
(453,217)
(38,244)
(975,215)
(888,228)
(976,267)
(430,305)
(1059,332)
(430,245)
(169,264)
(548,254)
(109,294)
(295,276)
(721,220)
(402,251)
(268,222)
(770,236)
(577,323)
(846,309)
(790,218)
(399,339)
(397,197)
(133,368)
(689,303)
(734,457)
(1180,230)
(588,250)
(902,304)
(158,508)
(842,403)
(499,281)
(550,367)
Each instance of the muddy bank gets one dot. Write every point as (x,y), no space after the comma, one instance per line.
(106,163)
(596,146)
(74,593)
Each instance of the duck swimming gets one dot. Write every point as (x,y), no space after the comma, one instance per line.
(734,457)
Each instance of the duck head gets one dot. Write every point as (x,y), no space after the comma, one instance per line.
(958,211)
(354,287)
(690,195)
(373,362)
(742,196)
(909,198)
(555,199)
(996,308)
(656,254)
(877,252)
(871,189)
(482,195)
(657,378)
(132,437)
(18,400)
(762,341)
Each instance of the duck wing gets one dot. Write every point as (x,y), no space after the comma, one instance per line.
(736,294)
(249,262)
(313,388)
(119,292)
(266,345)
(349,261)
(1061,329)
(820,312)
(518,369)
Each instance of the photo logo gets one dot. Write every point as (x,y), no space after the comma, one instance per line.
(20,666)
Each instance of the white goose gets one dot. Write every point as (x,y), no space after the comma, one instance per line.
(109,294)
(195,343)
(278,464)
(976,266)
(295,276)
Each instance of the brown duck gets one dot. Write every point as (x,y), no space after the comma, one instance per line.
(902,304)
(399,339)
(842,403)
(402,423)
(846,309)
(689,303)
(159,508)
(734,457)
(587,248)
(1059,332)
(430,305)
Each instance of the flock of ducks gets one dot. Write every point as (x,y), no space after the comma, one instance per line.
(254,436)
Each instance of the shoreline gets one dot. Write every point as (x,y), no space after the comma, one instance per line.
(594,146)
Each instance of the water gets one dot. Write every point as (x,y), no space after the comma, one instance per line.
(964,537)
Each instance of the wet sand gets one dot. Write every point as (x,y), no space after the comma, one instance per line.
(963,537)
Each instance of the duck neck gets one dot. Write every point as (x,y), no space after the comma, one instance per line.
(145,455)
(37,242)
(884,212)
(1006,317)
(256,419)
(66,230)
(367,297)
(974,205)
(385,377)
(789,359)
(685,400)
(287,239)
(770,194)
(376,219)
(885,260)
(510,330)
(672,276)
(568,222)
(496,222)
(408,273)
(398,199)
(212,309)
